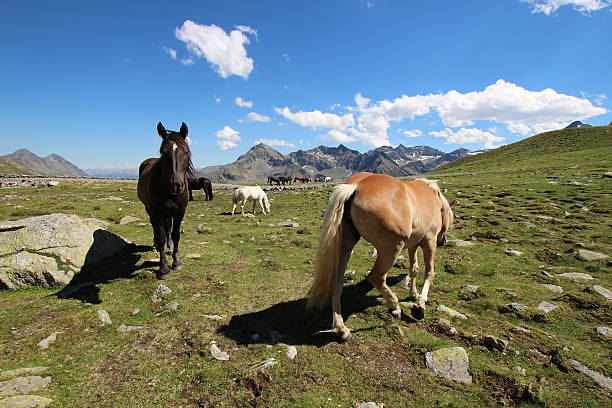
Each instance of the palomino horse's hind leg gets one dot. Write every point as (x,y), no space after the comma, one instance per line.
(429,254)
(349,238)
(410,281)
(378,276)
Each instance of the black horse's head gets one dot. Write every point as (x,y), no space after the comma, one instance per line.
(175,158)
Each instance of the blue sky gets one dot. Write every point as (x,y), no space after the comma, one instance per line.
(90,80)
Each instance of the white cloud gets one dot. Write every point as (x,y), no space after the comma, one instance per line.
(225,52)
(286,57)
(413,133)
(171,52)
(242,103)
(549,7)
(471,135)
(317,119)
(274,142)
(218,99)
(227,138)
(188,61)
(256,117)
(338,136)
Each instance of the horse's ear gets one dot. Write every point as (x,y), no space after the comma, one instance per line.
(183,131)
(161,130)
(452,203)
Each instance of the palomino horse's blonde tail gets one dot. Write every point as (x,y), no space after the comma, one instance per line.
(330,247)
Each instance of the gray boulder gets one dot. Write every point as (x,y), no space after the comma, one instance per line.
(23,385)
(48,250)
(587,255)
(451,363)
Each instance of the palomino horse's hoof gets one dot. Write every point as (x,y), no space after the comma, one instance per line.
(418,312)
(346,336)
(396,313)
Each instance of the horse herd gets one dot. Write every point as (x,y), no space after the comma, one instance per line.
(388,213)
(287,180)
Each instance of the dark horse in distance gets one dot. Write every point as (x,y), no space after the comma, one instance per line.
(162,188)
(200,183)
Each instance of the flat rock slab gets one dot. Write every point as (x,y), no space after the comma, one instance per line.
(553,288)
(45,343)
(25,401)
(128,219)
(23,385)
(604,331)
(513,307)
(451,312)
(460,243)
(514,252)
(587,255)
(46,250)
(547,307)
(370,405)
(450,363)
(603,292)
(21,371)
(575,276)
(599,378)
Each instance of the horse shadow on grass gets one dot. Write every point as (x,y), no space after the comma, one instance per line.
(297,325)
(101,267)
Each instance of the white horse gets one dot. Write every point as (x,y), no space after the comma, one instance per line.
(253,193)
(327,179)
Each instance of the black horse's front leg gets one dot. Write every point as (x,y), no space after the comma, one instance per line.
(176,236)
(159,236)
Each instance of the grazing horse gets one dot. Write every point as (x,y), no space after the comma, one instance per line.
(285,180)
(255,193)
(162,188)
(328,179)
(200,183)
(274,180)
(391,215)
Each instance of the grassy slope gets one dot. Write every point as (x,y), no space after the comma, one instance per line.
(259,279)
(8,167)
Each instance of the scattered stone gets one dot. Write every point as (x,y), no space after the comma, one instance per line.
(123,328)
(127,219)
(504,240)
(519,329)
(450,363)
(266,363)
(213,316)
(451,312)
(218,354)
(553,288)
(445,326)
(603,292)
(25,401)
(44,344)
(574,183)
(160,292)
(134,312)
(513,307)
(599,378)
(370,405)
(48,249)
(52,183)
(172,306)
(575,275)
(547,307)
(225,241)
(587,255)
(604,331)
(469,292)
(288,223)
(248,215)
(514,252)
(193,256)
(291,352)
(23,385)
(538,357)
(493,343)
(103,318)
(460,243)
(520,370)
(372,253)
(544,217)
(20,371)
(527,224)
(203,229)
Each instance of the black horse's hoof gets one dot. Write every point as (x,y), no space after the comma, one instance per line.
(417,312)
(177,266)
(162,273)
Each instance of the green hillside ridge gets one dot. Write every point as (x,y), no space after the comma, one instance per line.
(556,149)
(8,167)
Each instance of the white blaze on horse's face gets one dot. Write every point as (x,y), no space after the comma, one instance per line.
(174,147)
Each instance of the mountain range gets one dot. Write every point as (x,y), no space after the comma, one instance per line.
(52,165)
(339,162)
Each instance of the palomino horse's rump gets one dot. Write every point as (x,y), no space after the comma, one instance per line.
(391,215)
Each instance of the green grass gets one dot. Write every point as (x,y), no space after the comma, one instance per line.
(259,280)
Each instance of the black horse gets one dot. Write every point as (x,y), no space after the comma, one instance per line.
(200,183)
(162,188)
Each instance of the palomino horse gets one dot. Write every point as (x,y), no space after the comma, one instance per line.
(200,183)
(391,215)
(255,193)
(162,188)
